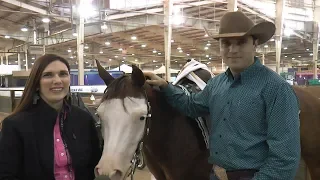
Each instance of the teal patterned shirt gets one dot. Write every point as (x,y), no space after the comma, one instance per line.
(254,121)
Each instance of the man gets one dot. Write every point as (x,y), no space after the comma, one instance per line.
(254,112)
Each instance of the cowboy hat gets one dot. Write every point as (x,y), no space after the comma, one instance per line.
(237,24)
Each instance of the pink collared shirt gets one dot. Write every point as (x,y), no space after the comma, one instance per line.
(61,171)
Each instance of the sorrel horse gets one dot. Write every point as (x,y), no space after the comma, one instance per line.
(172,147)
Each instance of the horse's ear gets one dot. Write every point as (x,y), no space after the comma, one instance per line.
(137,76)
(104,74)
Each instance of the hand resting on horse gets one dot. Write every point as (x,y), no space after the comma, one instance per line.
(155,80)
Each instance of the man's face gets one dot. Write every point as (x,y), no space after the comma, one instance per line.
(238,52)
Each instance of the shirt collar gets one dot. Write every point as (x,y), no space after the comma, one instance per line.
(248,73)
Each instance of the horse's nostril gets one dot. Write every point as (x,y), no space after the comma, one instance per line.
(117,173)
(96,171)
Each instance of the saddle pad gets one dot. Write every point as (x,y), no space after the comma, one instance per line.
(200,121)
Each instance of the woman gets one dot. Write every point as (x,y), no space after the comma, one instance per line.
(46,137)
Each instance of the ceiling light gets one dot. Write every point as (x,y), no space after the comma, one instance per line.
(188,54)
(45,20)
(307,49)
(101,52)
(180,51)
(172,40)
(69,50)
(208,44)
(154,61)
(143,45)
(207,55)
(116,56)
(287,32)
(110,59)
(120,49)
(133,38)
(107,43)
(206,48)
(159,53)
(271,39)
(86,46)
(132,54)
(179,48)
(311,54)
(74,32)
(86,9)
(285,48)
(33,58)
(104,26)
(136,60)
(7,37)
(206,35)
(24,29)
(154,51)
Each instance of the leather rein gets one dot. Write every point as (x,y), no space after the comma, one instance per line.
(136,159)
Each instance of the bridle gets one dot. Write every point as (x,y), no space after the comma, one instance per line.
(136,159)
(138,155)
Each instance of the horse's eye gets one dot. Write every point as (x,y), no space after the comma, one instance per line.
(142,118)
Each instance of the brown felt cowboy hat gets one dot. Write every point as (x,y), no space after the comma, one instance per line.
(237,24)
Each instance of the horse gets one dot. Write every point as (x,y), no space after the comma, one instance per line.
(309,130)
(171,144)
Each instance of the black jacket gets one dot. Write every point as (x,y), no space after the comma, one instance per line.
(26,145)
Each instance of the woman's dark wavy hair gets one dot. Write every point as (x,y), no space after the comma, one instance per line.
(33,81)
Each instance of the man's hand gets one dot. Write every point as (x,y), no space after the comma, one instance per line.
(155,80)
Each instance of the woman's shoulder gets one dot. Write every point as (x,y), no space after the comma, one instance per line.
(17,120)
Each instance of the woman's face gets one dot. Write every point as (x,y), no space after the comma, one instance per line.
(54,83)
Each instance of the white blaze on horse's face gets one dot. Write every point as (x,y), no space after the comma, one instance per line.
(123,126)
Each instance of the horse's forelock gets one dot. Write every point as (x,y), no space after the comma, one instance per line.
(121,88)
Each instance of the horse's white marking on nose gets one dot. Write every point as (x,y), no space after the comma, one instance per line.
(123,130)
